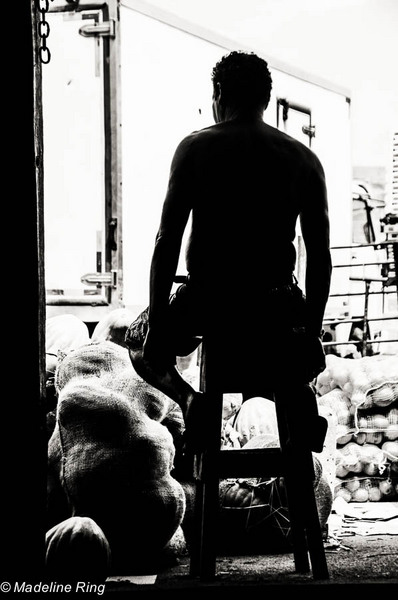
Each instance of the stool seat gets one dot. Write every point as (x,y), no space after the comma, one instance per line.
(293,461)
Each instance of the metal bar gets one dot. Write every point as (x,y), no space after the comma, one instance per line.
(365,319)
(378,341)
(94,300)
(372,264)
(361,294)
(395,254)
(373,245)
(76,7)
(359,320)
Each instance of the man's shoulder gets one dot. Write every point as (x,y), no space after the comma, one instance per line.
(196,139)
(288,147)
(293,145)
(199,135)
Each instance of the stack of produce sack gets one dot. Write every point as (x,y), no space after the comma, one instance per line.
(363,393)
(111,458)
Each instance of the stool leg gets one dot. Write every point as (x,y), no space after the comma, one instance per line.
(210,509)
(299,542)
(316,547)
(303,511)
(195,549)
(299,480)
(203,553)
(204,547)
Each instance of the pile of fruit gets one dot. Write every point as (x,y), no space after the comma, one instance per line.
(363,393)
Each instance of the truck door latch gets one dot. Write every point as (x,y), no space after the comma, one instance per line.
(106,279)
(105,29)
(309,130)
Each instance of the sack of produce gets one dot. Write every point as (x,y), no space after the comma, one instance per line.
(110,363)
(94,359)
(113,326)
(113,463)
(116,437)
(366,489)
(370,381)
(63,333)
(256,416)
(77,550)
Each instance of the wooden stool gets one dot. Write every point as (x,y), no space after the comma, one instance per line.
(293,461)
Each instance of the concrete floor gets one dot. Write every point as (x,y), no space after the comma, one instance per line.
(354,561)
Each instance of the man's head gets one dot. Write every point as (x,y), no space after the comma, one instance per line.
(241,80)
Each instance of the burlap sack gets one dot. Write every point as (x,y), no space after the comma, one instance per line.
(111,454)
(114,464)
(94,359)
(113,326)
(110,363)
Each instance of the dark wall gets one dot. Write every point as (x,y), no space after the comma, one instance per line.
(23,436)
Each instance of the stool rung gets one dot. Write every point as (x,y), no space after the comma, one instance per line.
(254,462)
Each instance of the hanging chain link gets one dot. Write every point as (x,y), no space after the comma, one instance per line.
(44,31)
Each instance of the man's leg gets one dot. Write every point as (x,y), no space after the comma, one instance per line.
(169,380)
(308,428)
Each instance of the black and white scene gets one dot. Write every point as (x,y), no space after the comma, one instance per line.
(207,394)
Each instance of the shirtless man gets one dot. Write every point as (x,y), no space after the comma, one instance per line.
(245,185)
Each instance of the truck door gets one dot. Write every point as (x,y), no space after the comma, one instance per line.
(82,223)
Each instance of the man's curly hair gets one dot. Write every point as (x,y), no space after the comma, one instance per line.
(244,79)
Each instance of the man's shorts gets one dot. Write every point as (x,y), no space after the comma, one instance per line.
(262,332)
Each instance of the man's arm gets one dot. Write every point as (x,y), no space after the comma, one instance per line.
(175,213)
(315,229)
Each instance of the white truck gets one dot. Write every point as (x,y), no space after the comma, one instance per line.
(126,81)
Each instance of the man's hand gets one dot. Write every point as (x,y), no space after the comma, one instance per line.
(309,355)
(316,361)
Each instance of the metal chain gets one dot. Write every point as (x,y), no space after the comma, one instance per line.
(44,31)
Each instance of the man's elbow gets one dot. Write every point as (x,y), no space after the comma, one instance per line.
(320,261)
